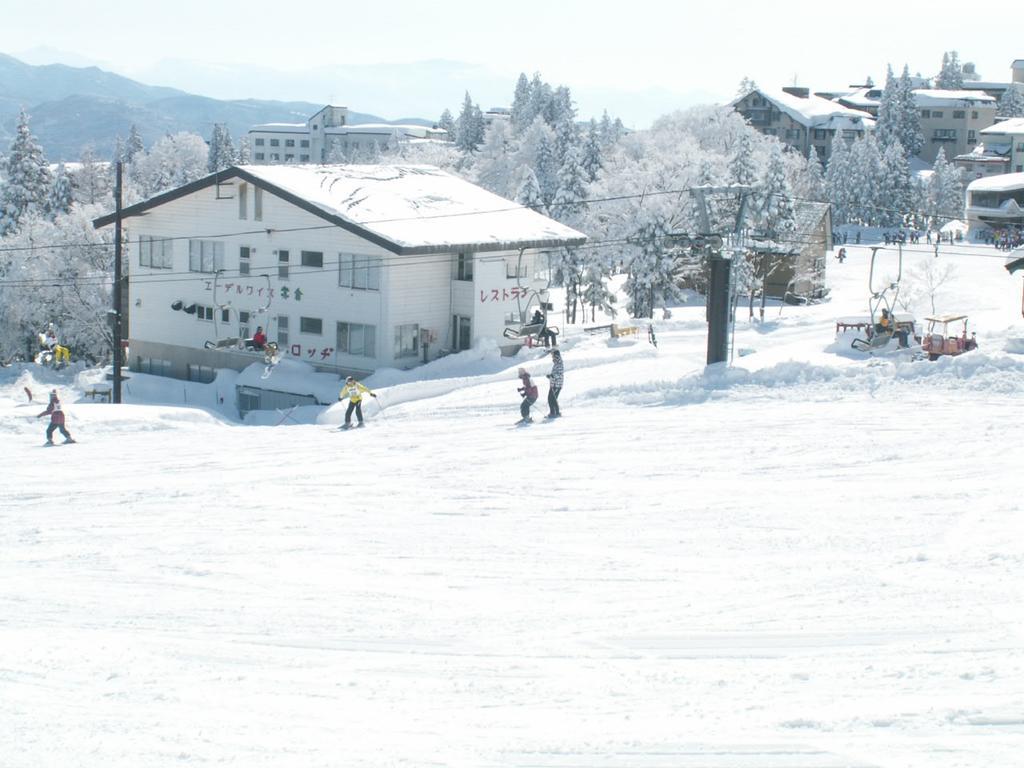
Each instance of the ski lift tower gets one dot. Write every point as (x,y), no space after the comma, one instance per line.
(720,260)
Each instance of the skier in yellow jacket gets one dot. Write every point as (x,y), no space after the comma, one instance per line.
(353,390)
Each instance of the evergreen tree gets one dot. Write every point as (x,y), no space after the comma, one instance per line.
(775,211)
(495,164)
(61,197)
(742,167)
(811,183)
(566,137)
(1011,103)
(521,117)
(27,178)
(651,281)
(594,290)
(837,180)
(470,126)
(447,123)
(540,95)
(134,144)
(945,191)
(951,76)
(222,152)
(863,180)
(898,117)
(567,204)
(90,181)
(528,192)
(886,126)
(896,188)
(592,162)
(244,151)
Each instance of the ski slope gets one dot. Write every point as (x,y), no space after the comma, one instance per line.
(811,559)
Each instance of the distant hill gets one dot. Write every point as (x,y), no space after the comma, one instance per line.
(74,107)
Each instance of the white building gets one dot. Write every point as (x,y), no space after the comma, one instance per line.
(953,121)
(349,268)
(995,202)
(314,140)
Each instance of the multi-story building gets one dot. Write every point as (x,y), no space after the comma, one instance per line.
(346,267)
(995,203)
(802,120)
(325,133)
(952,120)
(1001,151)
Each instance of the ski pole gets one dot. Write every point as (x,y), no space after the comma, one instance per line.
(380,405)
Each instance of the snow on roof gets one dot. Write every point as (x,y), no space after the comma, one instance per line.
(1013,125)
(1004,182)
(417,206)
(816,112)
(294,377)
(281,128)
(925,97)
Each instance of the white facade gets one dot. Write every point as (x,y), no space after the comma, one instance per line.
(952,121)
(348,293)
(325,133)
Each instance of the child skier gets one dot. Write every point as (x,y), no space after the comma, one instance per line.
(53,410)
(529,393)
(353,390)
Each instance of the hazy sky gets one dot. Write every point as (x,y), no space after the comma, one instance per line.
(641,45)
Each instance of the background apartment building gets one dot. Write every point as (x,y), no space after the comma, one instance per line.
(804,121)
(953,121)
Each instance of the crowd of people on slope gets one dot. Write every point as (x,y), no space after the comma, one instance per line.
(1003,239)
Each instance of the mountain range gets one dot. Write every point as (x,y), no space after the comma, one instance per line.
(71,108)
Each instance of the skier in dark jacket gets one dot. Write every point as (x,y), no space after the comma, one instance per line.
(529,393)
(555,379)
(53,410)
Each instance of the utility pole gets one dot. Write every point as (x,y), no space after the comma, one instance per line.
(116,389)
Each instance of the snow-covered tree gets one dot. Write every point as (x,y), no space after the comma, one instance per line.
(1011,103)
(134,144)
(61,196)
(591,152)
(945,191)
(26,176)
(90,182)
(495,165)
(172,161)
(951,76)
(521,116)
(898,116)
(747,85)
(774,213)
(221,153)
(837,180)
(743,166)
(469,132)
(651,281)
(895,188)
(447,123)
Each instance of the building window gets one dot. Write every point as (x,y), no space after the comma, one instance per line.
(303,158)
(225,315)
(361,272)
(275,157)
(944,134)
(820,134)
(289,142)
(244,252)
(155,252)
(357,339)
(304,143)
(243,201)
(205,255)
(311,325)
(154,366)
(257,204)
(282,331)
(312,259)
(259,142)
(204,374)
(926,113)
(936,114)
(243,324)
(289,158)
(275,143)
(204,313)
(260,156)
(959,114)
(407,340)
(974,115)
(464,267)
(282,265)
(515,268)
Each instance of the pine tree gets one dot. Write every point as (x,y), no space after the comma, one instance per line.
(1011,103)
(945,191)
(528,192)
(540,95)
(60,198)
(447,123)
(742,167)
(775,211)
(567,204)
(222,152)
(495,164)
(651,281)
(89,182)
(134,144)
(470,126)
(837,180)
(27,178)
(592,162)
(896,187)
(244,151)
(521,117)
(909,132)
(951,76)
(863,180)
(886,127)
(746,86)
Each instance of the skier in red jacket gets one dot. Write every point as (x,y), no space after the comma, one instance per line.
(529,393)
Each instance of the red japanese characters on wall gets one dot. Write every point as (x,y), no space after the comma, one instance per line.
(503,294)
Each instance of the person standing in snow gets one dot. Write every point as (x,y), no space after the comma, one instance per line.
(53,410)
(555,379)
(529,394)
(354,391)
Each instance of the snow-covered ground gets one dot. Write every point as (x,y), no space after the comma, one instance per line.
(810,560)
